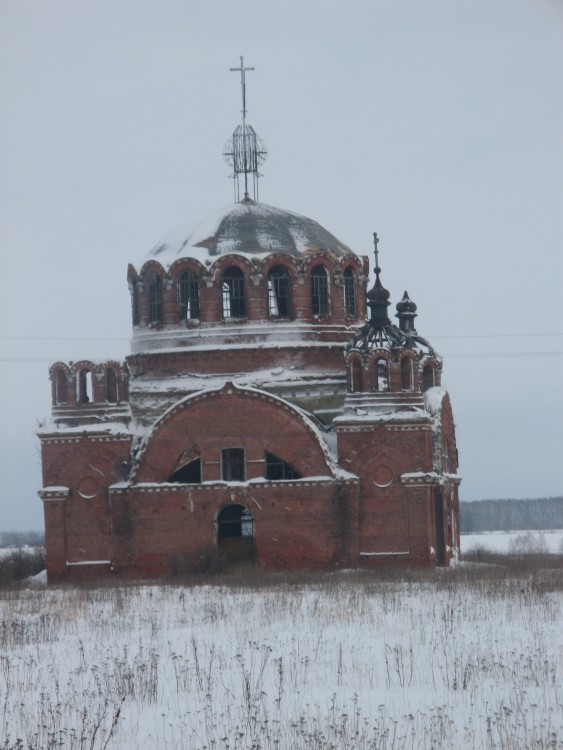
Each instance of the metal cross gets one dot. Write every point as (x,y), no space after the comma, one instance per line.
(242,83)
(375,243)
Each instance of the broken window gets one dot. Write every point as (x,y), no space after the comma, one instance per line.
(60,387)
(319,291)
(134,302)
(111,385)
(406,374)
(279,293)
(232,465)
(277,469)
(188,295)
(232,289)
(381,382)
(349,292)
(155,298)
(427,377)
(190,473)
(84,387)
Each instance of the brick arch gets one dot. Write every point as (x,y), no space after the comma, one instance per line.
(152,266)
(231,417)
(61,384)
(224,262)
(313,259)
(185,264)
(279,259)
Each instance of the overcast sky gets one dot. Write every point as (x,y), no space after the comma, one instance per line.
(435,123)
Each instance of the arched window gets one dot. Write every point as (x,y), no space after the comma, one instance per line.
(406,374)
(232,289)
(279,293)
(350,292)
(381,379)
(428,377)
(155,298)
(190,473)
(277,469)
(84,393)
(188,295)
(60,387)
(111,386)
(134,302)
(319,291)
(356,380)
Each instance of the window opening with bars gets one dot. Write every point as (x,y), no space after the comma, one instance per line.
(349,292)
(233,467)
(319,291)
(279,293)
(155,299)
(188,295)
(232,289)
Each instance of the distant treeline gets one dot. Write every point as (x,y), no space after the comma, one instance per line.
(22,538)
(511,515)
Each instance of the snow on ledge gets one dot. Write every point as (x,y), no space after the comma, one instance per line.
(433,398)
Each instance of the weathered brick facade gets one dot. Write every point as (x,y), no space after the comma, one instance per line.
(258,417)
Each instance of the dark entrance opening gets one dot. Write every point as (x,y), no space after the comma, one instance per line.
(235,533)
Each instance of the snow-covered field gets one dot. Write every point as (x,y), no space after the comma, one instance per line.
(506,541)
(462,658)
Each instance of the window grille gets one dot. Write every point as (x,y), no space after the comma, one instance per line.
(188,295)
(349,292)
(319,291)
(279,293)
(233,465)
(232,287)
(155,299)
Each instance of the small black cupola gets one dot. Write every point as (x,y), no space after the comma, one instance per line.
(378,296)
(406,312)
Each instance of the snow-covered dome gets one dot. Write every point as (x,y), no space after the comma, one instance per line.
(248,228)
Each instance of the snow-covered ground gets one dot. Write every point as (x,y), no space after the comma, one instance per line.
(447,659)
(505,541)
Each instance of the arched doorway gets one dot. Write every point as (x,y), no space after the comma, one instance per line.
(235,533)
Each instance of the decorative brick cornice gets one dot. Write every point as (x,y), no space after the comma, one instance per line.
(53,494)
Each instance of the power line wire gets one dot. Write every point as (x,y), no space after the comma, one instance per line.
(430,337)
(457,355)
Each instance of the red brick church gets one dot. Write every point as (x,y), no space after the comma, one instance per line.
(269,411)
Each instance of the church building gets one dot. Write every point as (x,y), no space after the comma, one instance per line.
(269,411)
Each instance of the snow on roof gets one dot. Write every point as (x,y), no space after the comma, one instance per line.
(99,428)
(246,228)
(312,423)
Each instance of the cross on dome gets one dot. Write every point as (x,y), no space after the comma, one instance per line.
(245,151)
(242,70)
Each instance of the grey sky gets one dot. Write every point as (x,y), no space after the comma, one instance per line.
(438,124)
